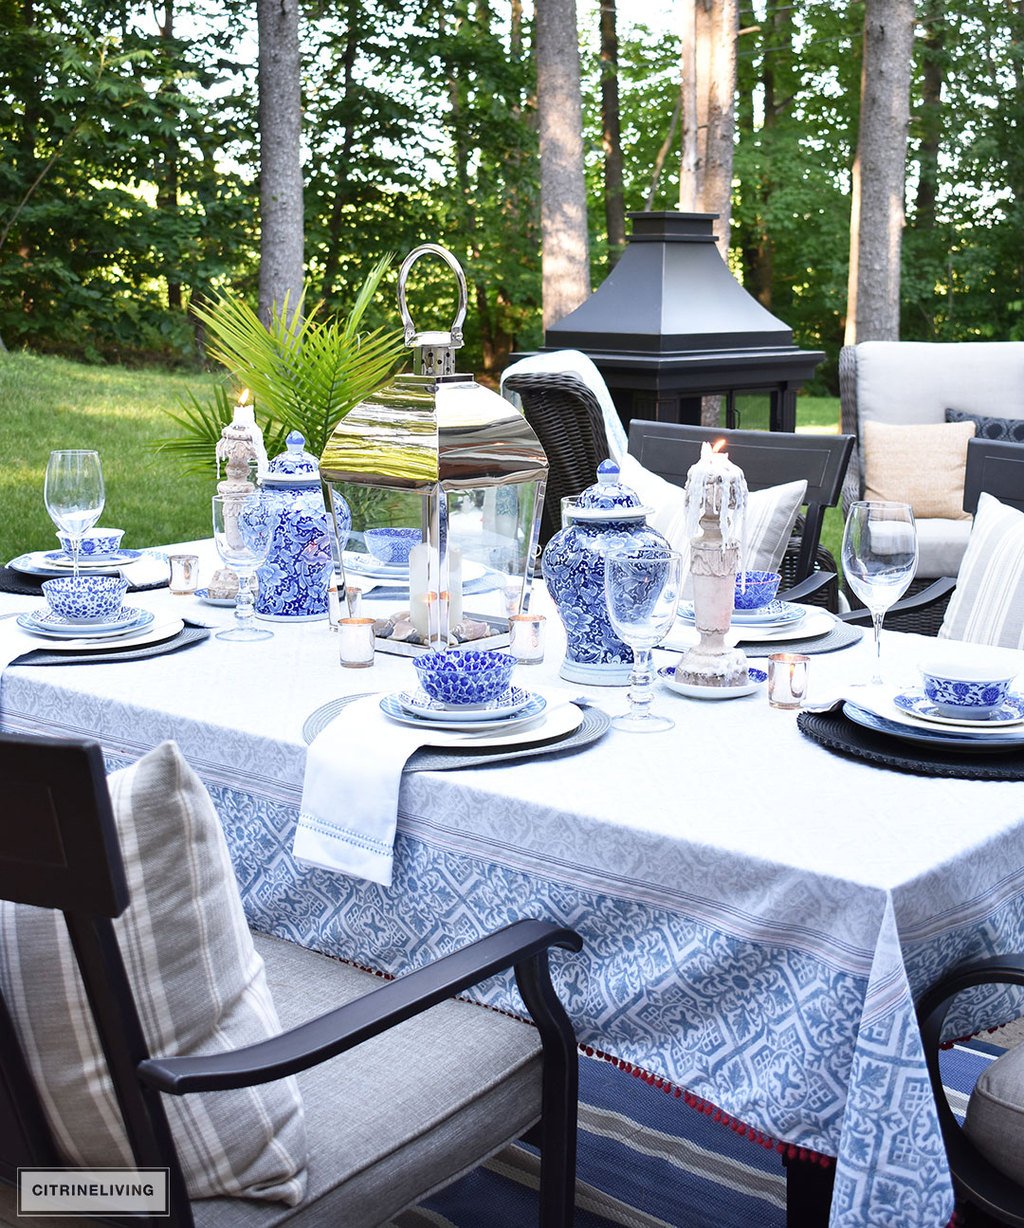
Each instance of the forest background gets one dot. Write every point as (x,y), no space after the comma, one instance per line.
(129,162)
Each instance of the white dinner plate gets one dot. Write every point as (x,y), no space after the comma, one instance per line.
(155,634)
(419,703)
(935,736)
(43,621)
(34,564)
(391,706)
(817,622)
(756,678)
(916,703)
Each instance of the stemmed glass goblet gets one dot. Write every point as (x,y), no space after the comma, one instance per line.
(242,533)
(879,560)
(642,592)
(73,494)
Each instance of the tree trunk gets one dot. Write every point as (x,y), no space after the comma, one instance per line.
(280,121)
(614,193)
(563,199)
(934,75)
(717,26)
(167,188)
(689,163)
(879,173)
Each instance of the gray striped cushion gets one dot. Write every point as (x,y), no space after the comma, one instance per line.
(198,982)
(987,606)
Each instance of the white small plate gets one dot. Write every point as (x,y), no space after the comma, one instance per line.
(916,703)
(204,596)
(756,678)
(43,621)
(420,704)
(391,706)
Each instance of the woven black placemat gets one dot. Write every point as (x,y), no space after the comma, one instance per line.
(187,638)
(835,731)
(595,725)
(22,585)
(842,635)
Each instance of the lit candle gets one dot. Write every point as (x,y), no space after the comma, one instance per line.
(716,488)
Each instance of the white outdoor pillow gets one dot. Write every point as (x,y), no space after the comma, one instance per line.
(198,983)
(987,606)
(771,514)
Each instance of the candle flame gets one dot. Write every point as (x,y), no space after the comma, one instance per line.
(719,445)
(244,397)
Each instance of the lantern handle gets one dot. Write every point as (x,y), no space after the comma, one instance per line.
(453,337)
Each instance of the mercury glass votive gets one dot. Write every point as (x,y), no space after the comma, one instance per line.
(527,638)
(355,647)
(787,679)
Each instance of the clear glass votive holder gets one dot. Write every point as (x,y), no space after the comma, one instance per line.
(787,679)
(526,638)
(355,647)
(184,574)
(567,505)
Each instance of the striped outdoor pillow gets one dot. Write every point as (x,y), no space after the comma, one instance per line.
(987,606)
(198,983)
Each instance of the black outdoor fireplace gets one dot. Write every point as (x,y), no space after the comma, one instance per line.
(670,324)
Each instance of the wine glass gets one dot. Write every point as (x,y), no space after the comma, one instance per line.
(73,494)
(242,531)
(879,560)
(642,592)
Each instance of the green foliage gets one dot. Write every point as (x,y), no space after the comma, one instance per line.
(304,371)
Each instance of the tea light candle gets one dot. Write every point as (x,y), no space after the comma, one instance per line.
(355,646)
(787,679)
(526,638)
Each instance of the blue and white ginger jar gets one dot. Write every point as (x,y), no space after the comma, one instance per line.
(607,517)
(293,581)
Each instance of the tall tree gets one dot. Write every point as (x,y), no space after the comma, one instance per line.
(565,266)
(614,194)
(282,233)
(717,28)
(879,173)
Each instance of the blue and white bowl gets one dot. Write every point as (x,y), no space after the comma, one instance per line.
(392,546)
(969,691)
(97,543)
(86,599)
(759,590)
(466,676)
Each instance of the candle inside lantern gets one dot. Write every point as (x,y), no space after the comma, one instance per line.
(426,604)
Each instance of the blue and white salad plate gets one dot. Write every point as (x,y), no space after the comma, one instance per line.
(466,722)
(755,678)
(57,558)
(39,563)
(204,595)
(916,703)
(776,614)
(965,740)
(43,621)
(509,703)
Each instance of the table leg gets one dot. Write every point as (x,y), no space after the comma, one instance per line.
(808,1193)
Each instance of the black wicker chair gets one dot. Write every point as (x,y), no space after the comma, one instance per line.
(993,467)
(975,1180)
(63,853)
(567,419)
(767,459)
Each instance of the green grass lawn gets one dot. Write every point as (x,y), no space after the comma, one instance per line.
(48,403)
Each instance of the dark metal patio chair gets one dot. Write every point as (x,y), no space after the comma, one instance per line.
(767,459)
(60,850)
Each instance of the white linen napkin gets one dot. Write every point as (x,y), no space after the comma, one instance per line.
(151,568)
(349,808)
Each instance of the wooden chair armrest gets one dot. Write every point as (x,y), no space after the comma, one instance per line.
(522,945)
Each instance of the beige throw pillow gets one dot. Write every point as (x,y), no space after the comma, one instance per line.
(199,985)
(920,465)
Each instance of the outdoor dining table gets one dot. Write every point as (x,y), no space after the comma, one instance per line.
(758,913)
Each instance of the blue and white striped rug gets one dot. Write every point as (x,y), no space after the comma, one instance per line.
(646,1160)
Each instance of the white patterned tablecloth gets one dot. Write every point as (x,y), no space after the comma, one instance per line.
(758,914)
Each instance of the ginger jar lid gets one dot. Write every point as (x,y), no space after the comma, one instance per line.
(607,499)
(295,466)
